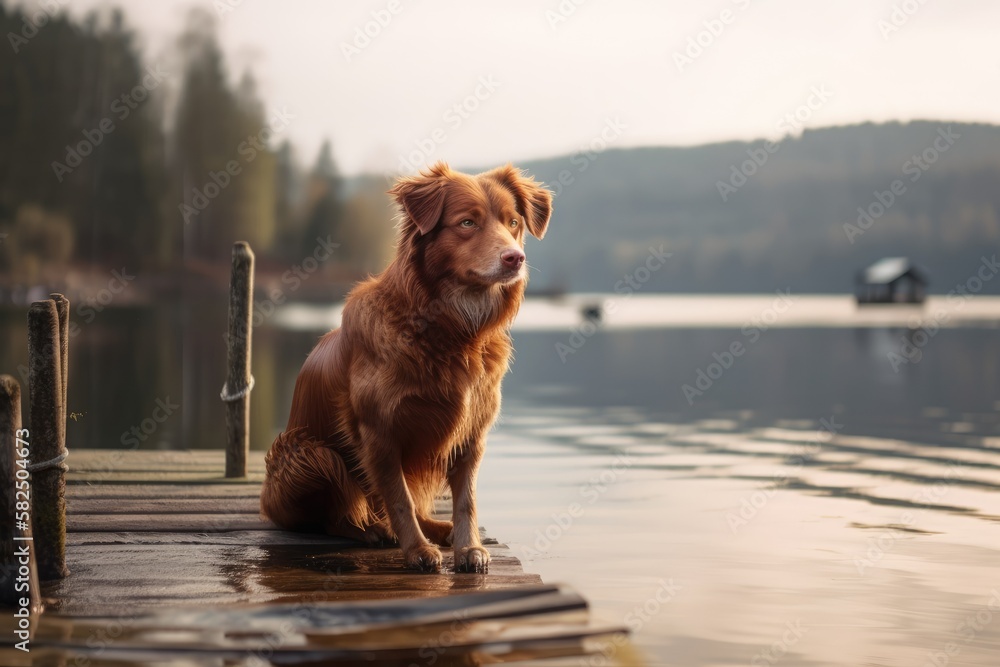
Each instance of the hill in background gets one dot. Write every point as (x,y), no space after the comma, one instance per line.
(785,226)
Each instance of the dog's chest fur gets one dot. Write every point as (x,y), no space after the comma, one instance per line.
(455,400)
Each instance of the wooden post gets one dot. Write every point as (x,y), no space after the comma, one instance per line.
(62,308)
(48,482)
(239,381)
(16,537)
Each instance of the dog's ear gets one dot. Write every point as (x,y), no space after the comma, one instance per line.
(422,197)
(534,201)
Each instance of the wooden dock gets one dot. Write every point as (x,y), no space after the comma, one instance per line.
(170,560)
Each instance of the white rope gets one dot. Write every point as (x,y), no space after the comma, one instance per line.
(228,398)
(51,463)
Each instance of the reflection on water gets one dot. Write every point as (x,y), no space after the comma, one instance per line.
(792,543)
(132,366)
(948,396)
(827,496)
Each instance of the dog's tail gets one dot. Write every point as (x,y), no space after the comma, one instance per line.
(307,484)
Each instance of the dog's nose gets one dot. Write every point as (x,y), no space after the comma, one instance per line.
(512,259)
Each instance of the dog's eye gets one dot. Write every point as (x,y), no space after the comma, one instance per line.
(467,224)
(514,223)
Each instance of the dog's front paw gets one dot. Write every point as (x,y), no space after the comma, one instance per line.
(423,557)
(472,559)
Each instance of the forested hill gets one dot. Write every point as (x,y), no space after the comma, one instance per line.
(785,226)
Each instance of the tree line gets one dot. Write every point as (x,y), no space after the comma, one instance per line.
(107,157)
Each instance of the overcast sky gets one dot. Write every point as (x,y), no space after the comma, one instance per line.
(557,83)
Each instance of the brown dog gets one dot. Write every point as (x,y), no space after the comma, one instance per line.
(398,400)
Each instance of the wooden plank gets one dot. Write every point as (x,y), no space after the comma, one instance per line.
(244,504)
(482,627)
(102,466)
(111,462)
(87,457)
(159,477)
(111,467)
(564,644)
(243,538)
(128,492)
(358,619)
(166,523)
(119,506)
(92,457)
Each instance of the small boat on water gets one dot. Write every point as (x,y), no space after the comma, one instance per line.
(592,312)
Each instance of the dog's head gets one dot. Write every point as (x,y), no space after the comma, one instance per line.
(471,229)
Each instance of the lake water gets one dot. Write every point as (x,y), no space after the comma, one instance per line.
(741,480)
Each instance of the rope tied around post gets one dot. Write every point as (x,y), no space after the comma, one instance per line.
(229,398)
(47,348)
(51,463)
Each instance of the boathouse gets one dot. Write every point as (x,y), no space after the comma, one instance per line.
(891,280)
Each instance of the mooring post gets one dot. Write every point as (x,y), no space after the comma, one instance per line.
(17,553)
(239,381)
(62,308)
(48,481)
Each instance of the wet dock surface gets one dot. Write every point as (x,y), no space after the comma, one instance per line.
(170,560)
